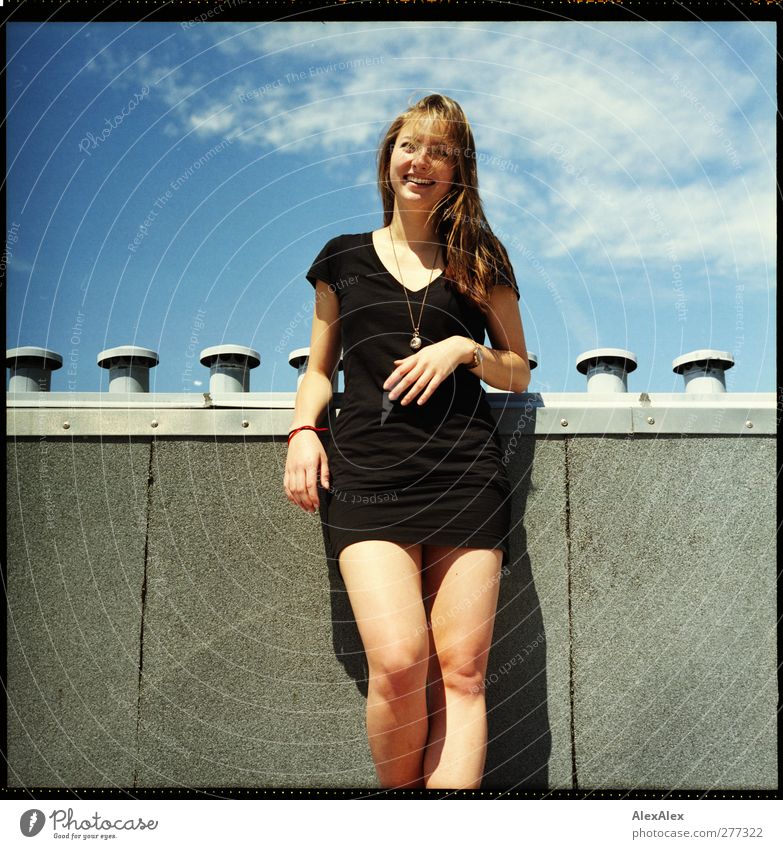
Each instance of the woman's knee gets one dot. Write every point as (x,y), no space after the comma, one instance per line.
(462,673)
(400,666)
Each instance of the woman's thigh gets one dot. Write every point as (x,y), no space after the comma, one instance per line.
(383,580)
(460,588)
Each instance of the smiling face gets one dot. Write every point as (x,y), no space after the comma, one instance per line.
(422,165)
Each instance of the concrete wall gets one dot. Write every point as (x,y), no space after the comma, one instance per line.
(173,620)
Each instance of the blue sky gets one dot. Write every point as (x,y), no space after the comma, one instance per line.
(169,185)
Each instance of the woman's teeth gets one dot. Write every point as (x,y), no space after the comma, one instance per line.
(419,182)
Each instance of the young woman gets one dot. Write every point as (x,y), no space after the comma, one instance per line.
(413,495)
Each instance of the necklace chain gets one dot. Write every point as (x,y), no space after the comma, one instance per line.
(415,342)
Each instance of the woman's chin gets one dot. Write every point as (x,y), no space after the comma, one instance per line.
(415,198)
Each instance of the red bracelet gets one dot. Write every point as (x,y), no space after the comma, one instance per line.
(304,427)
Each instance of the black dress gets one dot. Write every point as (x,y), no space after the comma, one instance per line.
(430,473)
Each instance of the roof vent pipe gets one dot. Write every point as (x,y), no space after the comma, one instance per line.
(607,369)
(299,357)
(704,370)
(31,368)
(229,367)
(129,367)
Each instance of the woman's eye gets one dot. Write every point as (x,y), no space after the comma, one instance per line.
(439,153)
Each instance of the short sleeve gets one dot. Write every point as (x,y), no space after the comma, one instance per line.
(508,279)
(323,267)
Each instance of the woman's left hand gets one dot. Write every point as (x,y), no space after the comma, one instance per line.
(426,369)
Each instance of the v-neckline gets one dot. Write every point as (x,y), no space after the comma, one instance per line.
(381,265)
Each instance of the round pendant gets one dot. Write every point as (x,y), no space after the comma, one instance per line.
(416,342)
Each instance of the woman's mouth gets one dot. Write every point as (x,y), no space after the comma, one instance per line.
(421,182)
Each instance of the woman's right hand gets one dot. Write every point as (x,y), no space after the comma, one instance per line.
(306,455)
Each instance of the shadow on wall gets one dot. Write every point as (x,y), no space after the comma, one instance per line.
(519,735)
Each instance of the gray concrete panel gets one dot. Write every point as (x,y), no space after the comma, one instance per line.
(245,677)
(674,620)
(76,529)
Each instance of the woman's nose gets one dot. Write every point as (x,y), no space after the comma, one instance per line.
(422,157)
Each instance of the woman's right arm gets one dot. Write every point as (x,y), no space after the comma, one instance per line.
(306,455)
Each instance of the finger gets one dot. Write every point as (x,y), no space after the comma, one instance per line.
(391,379)
(404,383)
(416,388)
(312,491)
(424,397)
(301,489)
(325,474)
(396,374)
(433,384)
(287,487)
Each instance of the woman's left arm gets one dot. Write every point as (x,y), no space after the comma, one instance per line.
(505,365)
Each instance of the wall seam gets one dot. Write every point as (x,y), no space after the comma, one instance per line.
(571,673)
(143,608)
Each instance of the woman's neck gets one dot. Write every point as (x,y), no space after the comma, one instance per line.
(411,226)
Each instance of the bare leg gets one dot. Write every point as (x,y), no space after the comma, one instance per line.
(461,591)
(383,580)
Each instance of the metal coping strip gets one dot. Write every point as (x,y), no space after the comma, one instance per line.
(266,414)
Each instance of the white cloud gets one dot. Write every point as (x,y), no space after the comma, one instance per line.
(591,121)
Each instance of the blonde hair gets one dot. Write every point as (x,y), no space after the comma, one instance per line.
(475,257)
